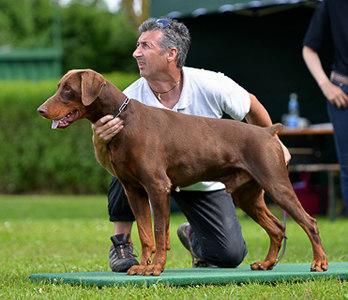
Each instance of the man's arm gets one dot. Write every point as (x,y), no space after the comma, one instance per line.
(333,93)
(103,131)
(258,115)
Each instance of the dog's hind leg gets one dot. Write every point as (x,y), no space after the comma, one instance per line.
(275,181)
(250,198)
(286,198)
(138,200)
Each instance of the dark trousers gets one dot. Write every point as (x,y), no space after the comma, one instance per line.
(339,120)
(217,236)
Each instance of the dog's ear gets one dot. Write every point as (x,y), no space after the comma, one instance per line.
(91,86)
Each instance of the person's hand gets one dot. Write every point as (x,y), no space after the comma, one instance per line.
(287,155)
(334,94)
(106,128)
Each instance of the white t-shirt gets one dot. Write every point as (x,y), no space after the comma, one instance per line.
(204,93)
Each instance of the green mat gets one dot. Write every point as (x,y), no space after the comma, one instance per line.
(179,277)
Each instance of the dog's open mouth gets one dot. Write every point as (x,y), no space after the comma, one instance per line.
(66,121)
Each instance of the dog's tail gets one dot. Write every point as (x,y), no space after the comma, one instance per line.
(276,128)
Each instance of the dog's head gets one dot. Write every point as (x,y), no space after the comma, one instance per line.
(77,89)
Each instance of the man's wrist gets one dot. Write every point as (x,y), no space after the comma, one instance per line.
(323,82)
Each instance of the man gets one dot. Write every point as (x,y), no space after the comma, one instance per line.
(213,235)
(330,24)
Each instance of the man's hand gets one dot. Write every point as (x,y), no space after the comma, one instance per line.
(334,94)
(106,128)
(287,155)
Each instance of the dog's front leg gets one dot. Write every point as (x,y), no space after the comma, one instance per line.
(161,211)
(139,203)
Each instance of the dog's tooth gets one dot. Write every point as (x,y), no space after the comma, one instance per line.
(54,124)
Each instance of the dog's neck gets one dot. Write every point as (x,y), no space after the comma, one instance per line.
(108,103)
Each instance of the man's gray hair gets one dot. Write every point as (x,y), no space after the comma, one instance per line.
(175,35)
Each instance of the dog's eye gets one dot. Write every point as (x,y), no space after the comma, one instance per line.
(67,89)
(67,93)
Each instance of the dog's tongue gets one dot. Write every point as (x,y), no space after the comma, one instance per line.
(54,124)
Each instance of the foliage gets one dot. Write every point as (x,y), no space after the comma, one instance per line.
(96,38)
(35,158)
(71,234)
(91,36)
(29,26)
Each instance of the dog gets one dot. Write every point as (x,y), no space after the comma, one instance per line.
(248,159)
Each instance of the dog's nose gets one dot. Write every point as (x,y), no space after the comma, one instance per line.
(42,110)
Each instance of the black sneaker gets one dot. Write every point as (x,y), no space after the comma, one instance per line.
(184,233)
(121,256)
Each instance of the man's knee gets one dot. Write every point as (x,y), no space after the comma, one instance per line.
(232,257)
(227,256)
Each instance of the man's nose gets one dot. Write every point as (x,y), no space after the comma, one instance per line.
(136,53)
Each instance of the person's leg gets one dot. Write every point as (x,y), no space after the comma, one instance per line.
(339,119)
(118,206)
(121,256)
(216,235)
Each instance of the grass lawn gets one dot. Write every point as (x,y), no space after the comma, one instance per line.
(47,234)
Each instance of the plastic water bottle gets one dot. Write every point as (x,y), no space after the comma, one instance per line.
(293,109)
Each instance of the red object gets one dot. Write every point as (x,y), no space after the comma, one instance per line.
(309,195)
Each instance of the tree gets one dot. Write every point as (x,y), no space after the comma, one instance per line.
(26,23)
(128,6)
(91,36)
(94,37)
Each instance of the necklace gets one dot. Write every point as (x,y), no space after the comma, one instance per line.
(158,94)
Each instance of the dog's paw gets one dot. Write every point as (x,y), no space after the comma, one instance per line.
(148,270)
(154,270)
(262,265)
(319,266)
(136,270)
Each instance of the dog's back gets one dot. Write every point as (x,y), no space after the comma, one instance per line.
(213,147)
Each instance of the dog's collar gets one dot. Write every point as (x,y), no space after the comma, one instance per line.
(122,107)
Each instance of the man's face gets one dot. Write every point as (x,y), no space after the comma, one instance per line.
(150,57)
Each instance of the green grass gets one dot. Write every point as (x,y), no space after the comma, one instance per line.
(40,234)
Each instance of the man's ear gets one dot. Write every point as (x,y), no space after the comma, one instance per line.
(91,86)
(172,54)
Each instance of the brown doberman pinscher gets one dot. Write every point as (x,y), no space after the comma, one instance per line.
(159,150)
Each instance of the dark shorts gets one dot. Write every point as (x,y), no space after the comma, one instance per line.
(217,236)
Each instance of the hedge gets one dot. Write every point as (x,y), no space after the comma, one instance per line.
(36,159)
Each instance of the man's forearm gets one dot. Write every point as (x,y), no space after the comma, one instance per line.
(258,115)
(334,94)
(314,65)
